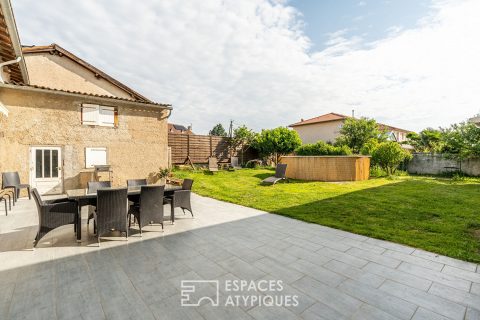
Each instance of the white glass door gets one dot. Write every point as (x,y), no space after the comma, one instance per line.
(46,169)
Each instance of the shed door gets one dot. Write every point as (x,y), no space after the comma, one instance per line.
(46,169)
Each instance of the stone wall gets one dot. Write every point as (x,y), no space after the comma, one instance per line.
(426,163)
(135,149)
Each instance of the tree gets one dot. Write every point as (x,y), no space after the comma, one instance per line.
(356,132)
(389,155)
(242,138)
(461,141)
(277,142)
(429,140)
(218,130)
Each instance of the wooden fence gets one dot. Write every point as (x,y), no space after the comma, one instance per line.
(199,148)
(327,168)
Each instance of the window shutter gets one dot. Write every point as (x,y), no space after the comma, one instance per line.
(95,156)
(107,116)
(116,118)
(90,114)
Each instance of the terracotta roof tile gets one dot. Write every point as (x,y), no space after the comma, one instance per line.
(336,116)
(323,118)
(86,94)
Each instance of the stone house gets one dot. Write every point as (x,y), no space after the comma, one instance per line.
(327,128)
(60,116)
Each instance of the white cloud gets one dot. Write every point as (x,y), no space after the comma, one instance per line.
(249,60)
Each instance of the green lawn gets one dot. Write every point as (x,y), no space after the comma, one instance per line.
(434,214)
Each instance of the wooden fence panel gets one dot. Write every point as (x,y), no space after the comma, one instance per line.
(199,148)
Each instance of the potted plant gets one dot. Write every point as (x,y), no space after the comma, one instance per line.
(161,175)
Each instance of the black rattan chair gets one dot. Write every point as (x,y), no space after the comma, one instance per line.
(111,213)
(136,182)
(92,187)
(53,214)
(181,199)
(11,180)
(150,208)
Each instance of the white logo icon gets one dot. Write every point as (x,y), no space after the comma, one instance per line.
(191,295)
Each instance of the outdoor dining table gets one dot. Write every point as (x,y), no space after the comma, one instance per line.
(83,198)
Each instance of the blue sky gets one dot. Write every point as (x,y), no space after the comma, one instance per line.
(371,20)
(262,64)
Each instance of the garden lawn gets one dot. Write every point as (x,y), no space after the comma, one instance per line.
(434,214)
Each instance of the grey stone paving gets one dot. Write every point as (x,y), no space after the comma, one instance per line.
(334,274)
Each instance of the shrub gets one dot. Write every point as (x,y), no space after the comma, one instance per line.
(254,163)
(389,155)
(322,149)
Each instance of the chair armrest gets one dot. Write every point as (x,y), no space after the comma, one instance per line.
(63,207)
(180,195)
(59,200)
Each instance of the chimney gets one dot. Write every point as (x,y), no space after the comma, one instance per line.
(353,113)
(301,120)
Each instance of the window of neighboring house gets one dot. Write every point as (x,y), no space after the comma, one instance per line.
(95,157)
(97,115)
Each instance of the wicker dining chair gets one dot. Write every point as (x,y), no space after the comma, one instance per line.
(111,213)
(53,214)
(180,199)
(11,180)
(92,187)
(136,182)
(150,208)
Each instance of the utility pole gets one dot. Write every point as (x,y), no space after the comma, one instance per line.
(230,130)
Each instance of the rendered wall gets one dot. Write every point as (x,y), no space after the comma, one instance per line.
(53,71)
(426,163)
(325,131)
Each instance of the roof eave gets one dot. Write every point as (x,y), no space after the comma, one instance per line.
(306,124)
(12,27)
(88,97)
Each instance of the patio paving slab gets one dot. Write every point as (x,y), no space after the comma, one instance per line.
(334,274)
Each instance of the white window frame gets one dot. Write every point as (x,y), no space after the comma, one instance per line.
(98,115)
(91,160)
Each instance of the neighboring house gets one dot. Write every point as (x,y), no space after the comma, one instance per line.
(327,128)
(62,116)
(475,120)
(178,128)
